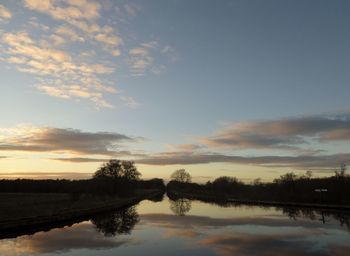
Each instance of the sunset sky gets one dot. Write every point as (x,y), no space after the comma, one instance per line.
(237,88)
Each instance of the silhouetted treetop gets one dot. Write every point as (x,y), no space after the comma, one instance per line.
(118,169)
(341,172)
(225,180)
(181,176)
(286,178)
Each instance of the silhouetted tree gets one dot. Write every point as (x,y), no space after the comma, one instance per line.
(286,178)
(118,169)
(130,171)
(306,176)
(341,172)
(181,176)
(257,182)
(226,184)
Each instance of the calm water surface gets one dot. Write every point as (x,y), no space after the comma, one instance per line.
(187,227)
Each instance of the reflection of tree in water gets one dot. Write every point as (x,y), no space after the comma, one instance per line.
(294,213)
(344,220)
(121,222)
(316,215)
(181,206)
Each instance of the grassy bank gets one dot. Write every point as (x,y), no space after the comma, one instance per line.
(25,210)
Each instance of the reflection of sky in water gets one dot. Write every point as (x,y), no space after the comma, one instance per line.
(205,230)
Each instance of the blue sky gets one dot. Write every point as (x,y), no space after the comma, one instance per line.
(175,77)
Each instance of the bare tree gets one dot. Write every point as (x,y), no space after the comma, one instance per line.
(341,172)
(118,169)
(181,176)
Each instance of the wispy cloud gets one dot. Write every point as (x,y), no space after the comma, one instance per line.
(34,23)
(66,9)
(127,11)
(66,78)
(59,54)
(5,14)
(57,72)
(141,59)
(69,33)
(81,21)
(130,101)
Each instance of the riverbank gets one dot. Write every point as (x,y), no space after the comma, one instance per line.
(20,211)
(227,200)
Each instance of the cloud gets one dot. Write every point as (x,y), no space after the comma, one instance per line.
(33,22)
(66,9)
(81,159)
(58,140)
(290,134)
(70,33)
(141,58)
(126,12)
(184,147)
(130,102)
(170,52)
(52,51)
(301,162)
(57,72)
(109,40)
(284,134)
(57,40)
(132,9)
(82,16)
(90,53)
(5,14)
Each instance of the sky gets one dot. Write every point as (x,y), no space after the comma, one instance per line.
(244,88)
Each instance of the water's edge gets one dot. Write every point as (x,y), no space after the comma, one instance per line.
(16,227)
(209,198)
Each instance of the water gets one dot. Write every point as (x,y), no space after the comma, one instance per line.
(187,227)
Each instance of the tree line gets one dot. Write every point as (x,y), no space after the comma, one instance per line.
(288,187)
(115,177)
